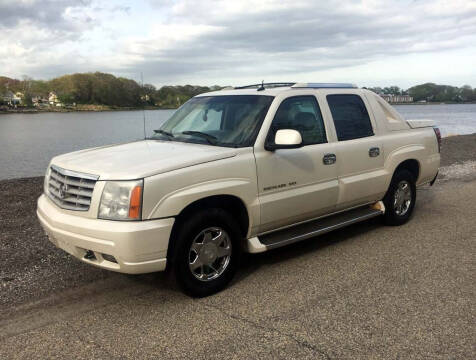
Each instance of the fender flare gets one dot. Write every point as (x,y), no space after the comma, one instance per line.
(173,203)
(398,156)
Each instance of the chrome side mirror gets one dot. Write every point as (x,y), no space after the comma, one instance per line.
(285,139)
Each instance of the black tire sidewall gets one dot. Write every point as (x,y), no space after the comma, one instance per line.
(188,230)
(391,217)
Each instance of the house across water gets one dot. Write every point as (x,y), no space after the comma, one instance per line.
(391,98)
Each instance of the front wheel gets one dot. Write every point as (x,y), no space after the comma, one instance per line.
(208,251)
(400,198)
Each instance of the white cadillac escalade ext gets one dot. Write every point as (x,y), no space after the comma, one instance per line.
(246,169)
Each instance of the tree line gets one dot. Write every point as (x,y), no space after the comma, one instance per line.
(101,89)
(106,89)
(431,92)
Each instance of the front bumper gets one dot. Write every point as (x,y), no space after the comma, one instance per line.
(138,246)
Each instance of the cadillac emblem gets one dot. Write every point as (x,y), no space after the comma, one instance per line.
(62,191)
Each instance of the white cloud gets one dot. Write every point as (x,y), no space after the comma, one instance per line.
(235,42)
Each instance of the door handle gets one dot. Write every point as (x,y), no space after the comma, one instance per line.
(374,152)
(329,159)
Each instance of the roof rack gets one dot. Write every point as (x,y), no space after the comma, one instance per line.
(266,85)
(325,85)
(294,85)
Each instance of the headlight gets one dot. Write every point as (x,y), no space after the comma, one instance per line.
(121,200)
(45,183)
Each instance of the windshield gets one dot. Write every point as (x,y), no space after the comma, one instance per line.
(229,120)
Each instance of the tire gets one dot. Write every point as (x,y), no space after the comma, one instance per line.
(400,198)
(212,238)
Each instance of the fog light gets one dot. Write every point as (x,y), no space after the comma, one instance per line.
(110,258)
(89,255)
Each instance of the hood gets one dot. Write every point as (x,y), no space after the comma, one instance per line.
(140,159)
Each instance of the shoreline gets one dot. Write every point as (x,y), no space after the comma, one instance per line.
(104,108)
(462,148)
(435,103)
(66,110)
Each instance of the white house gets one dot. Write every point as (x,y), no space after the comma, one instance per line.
(391,98)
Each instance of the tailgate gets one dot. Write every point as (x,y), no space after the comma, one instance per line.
(420,123)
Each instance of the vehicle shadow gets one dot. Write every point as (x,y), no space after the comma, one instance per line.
(253,262)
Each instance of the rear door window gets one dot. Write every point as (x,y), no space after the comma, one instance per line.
(351,118)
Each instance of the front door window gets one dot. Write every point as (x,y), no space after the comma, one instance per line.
(300,113)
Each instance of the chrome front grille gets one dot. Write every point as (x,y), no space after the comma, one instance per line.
(71,190)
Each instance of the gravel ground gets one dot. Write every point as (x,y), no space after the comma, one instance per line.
(30,266)
(458,149)
(360,292)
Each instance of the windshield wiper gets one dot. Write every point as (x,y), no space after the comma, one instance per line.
(210,138)
(163,132)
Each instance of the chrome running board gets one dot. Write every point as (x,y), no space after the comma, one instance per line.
(313,228)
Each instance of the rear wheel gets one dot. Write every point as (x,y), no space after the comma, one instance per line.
(207,252)
(400,198)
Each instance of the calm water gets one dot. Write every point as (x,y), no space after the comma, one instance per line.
(452,119)
(29,141)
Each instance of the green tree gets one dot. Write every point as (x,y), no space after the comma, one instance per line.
(467,93)
(66,98)
(392,90)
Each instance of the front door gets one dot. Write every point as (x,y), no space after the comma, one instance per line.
(297,184)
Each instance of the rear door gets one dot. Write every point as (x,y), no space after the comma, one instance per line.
(295,184)
(359,150)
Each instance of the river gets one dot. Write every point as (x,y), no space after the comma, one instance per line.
(29,141)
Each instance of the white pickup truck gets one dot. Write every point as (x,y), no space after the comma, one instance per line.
(243,169)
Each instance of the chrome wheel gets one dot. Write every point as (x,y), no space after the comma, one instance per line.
(210,254)
(402,198)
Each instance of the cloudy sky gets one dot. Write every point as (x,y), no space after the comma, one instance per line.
(369,42)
